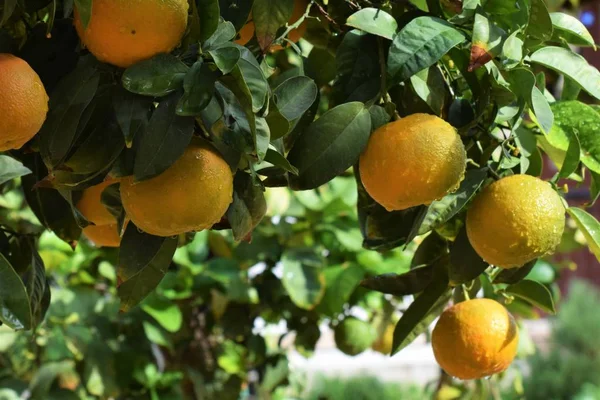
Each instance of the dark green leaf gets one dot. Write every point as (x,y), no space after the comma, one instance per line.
(11,169)
(379,117)
(248,207)
(209,17)
(570,64)
(199,87)
(420,44)
(275,158)
(164,140)
(572,158)
(441,211)
(143,262)
(540,23)
(534,293)
(225,33)
(374,21)
(132,112)
(330,145)
(8,9)
(15,311)
(573,118)
(269,16)
(465,263)
(589,226)
(158,76)
(295,96)
(68,102)
(226,58)
(514,275)
(35,282)
(423,310)
(571,90)
(429,85)
(411,282)
(50,208)
(571,30)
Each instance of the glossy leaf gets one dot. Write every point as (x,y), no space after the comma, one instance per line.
(571,30)
(224,33)
(422,311)
(374,21)
(420,44)
(330,145)
(487,41)
(164,140)
(199,88)
(158,76)
(465,263)
(68,102)
(248,207)
(514,275)
(571,65)
(11,169)
(533,292)
(444,209)
(573,118)
(143,262)
(294,96)
(572,158)
(589,226)
(209,17)
(15,311)
(280,161)
(226,58)
(132,112)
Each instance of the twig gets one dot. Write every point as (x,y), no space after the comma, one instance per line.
(295,25)
(327,16)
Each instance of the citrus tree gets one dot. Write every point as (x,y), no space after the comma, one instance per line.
(149,152)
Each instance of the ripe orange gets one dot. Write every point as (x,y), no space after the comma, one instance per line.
(475,339)
(90,204)
(23,102)
(247,31)
(103,235)
(124,32)
(296,34)
(192,195)
(515,220)
(413,161)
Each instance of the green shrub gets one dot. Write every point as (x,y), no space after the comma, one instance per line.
(573,359)
(363,388)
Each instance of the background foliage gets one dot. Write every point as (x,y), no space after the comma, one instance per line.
(295,118)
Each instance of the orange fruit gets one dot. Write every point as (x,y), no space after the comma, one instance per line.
(412,161)
(245,34)
(124,32)
(103,235)
(90,204)
(192,195)
(516,220)
(475,339)
(23,102)
(247,31)
(296,34)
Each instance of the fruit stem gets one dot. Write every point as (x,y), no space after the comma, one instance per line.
(466,292)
